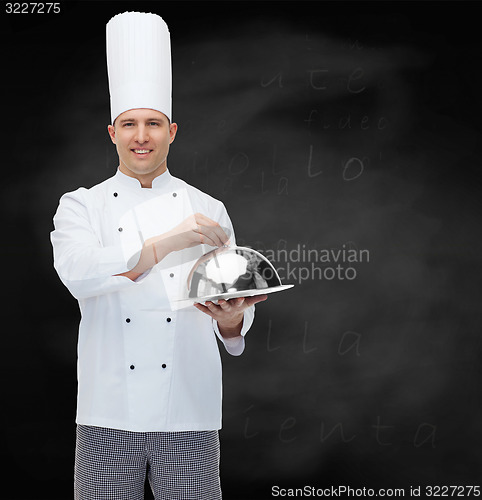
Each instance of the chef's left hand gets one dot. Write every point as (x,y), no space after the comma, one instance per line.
(229,313)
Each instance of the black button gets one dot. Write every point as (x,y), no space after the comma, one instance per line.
(164,365)
(128,320)
(174,194)
(132,367)
(120,230)
(168,320)
(115,195)
(172,275)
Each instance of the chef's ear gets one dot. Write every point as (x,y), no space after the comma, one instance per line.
(172,132)
(111,130)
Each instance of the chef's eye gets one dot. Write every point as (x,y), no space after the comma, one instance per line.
(154,124)
(127,124)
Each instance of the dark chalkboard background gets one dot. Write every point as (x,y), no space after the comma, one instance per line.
(322,126)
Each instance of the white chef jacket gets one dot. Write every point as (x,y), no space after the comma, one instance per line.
(143,365)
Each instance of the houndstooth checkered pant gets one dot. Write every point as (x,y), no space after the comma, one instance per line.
(111,464)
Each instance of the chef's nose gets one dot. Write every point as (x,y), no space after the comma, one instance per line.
(142,135)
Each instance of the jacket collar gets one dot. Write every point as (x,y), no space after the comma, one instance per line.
(158,182)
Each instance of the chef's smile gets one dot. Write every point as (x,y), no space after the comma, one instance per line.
(141,153)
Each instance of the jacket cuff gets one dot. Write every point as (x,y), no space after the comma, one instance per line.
(235,346)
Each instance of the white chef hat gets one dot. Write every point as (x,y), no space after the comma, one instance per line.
(138,63)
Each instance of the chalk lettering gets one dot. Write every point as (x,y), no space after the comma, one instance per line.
(262,182)
(312,74)
(288,424)
(378,427)
(309,121)
(339,426)
(344,122)
(356,45)
(354,343)
(356,166)
(268,343)
(382,123)
(283,185)
(278,76)
(305,350)
(352,86)
(273,164)
(282,244)
(310,173)
(430,436)
(239,158)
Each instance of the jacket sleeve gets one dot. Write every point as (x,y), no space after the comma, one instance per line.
(84,266)
(235,346)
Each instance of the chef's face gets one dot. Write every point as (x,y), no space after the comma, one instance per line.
(142,138)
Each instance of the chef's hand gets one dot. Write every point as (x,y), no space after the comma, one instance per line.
(229,313)
(195,230)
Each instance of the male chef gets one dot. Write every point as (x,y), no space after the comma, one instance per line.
(149,371)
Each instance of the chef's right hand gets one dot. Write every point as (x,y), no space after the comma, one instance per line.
(196,229)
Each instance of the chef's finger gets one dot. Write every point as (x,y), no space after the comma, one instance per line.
(212,307)
(224,233)
(204,237)
(204,309)
(254,300)
(237,302)
(204,219)
(225,305)
(215,234)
